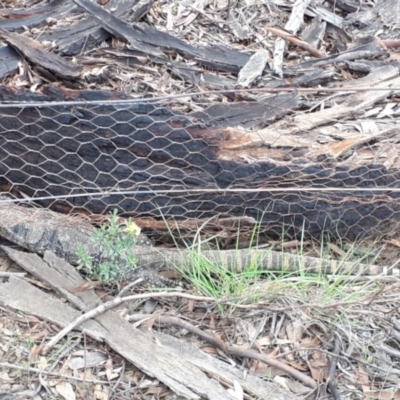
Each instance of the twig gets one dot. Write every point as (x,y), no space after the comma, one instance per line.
(4,274)
(111,304)
(345,6)
(124,289)
(391,43)
(366,278)
(331,381)
(294,23)
(273,363)
(296,41)
(39,371)
(390,350)
(64,353)
(121,375)
(168,320)
(228,11)
(231,349)
(259,329)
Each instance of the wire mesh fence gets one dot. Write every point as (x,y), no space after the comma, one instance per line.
(183,162)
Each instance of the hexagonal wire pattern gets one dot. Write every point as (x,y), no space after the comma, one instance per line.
(148,160)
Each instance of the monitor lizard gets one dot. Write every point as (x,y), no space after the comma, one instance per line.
(39,230)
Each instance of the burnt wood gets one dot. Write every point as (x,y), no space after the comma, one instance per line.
(181,166)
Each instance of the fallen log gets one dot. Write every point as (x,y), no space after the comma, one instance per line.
(41,230)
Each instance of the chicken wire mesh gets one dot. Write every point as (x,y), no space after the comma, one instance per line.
(185,164)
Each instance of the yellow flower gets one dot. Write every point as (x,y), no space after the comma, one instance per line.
(132,228)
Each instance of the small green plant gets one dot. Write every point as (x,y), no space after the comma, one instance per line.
(115,243)
(215,279)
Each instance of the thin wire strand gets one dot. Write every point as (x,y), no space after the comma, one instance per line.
(177,191)
(6,104)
